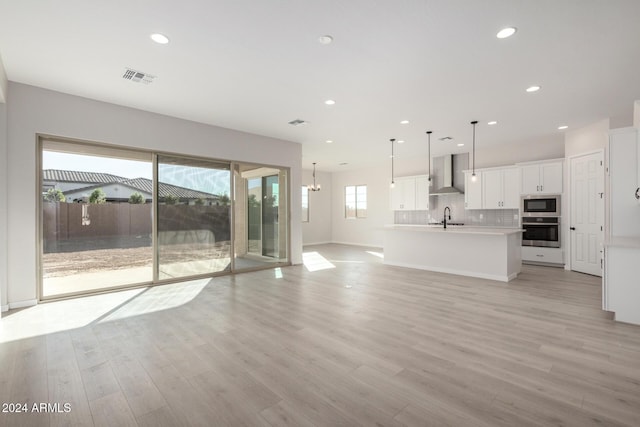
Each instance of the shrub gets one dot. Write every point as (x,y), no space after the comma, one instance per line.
(136,199)
(54,195)
(170,199)
(98,196)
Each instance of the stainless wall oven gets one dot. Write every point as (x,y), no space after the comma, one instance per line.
(542,231)
(540,206)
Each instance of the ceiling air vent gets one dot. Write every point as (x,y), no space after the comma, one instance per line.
(297,122)
(137,76)
(446,138)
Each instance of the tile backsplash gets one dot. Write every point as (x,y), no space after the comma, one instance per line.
(477,217)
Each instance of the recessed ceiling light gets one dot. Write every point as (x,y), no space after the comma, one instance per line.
(533,88)
(563,127)
(404,122)
(401,141)
(506,32)
(461,145)
(159,38)
(493,122)
(326,39)
(329,141)
(330,102)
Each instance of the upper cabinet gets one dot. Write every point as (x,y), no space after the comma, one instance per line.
(500,188)
(422,193)
(473,191)
(541,178)
(410,193)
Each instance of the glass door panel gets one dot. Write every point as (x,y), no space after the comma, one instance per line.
(261,216)
(96,218)
(194,217)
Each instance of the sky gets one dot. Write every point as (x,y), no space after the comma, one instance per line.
(207,180)
(82,163)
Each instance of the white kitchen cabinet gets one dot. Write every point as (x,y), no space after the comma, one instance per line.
(422,193)
(473,191)
(500,188)
(410,193)
(536,254)
(403,194)
(541,178)
(621,291)
(624,219)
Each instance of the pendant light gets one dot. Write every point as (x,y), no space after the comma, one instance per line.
(314,187)
(393,184)
(429,155)
(473,174)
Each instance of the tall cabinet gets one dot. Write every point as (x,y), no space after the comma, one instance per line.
(621,287)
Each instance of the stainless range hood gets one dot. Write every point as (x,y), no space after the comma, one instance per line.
(449,177)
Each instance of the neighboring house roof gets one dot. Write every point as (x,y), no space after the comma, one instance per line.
(140,184)
(77,176)
(146,185)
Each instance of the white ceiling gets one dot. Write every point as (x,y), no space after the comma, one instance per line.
(255,65)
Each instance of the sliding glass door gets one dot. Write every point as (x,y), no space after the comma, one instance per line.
(194,217)
(114,218)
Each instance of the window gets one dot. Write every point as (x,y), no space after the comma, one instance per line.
(114,218)
(355,201)
(305,203)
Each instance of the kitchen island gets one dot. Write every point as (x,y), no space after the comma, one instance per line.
(488,253)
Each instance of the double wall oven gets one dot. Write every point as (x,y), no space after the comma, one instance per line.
(541,221)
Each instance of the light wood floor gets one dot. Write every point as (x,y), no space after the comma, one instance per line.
(358,343)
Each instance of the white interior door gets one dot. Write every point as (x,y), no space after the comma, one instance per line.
(587,213)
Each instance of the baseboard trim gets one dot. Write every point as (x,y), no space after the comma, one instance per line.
(315,243)
(357,244)
(4,308)
(499,278)
(23,304)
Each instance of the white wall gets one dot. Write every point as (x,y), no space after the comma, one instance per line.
(551,147)
(587,139)
(509,154)
(362,231)
(3,207)
(34,110)
(4,83)
(636,114)
(318,229)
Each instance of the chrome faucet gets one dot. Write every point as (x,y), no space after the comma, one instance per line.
(446,208)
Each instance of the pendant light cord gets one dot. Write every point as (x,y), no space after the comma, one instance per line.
(429,155)
(392,141)
(474,123)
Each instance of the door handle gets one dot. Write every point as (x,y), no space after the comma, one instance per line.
(572,228)
(638,193)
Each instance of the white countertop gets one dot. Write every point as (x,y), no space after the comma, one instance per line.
(458,229)
(623,242)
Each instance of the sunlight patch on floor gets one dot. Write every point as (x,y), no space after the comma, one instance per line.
(377,254)
(313,261)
